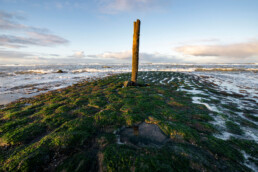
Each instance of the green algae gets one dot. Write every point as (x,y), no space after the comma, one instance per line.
(72,129)
(233,128)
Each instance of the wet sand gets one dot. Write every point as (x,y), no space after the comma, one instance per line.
(8,98)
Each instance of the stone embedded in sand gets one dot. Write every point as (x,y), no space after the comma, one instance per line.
(106,67)
(144,135)
(60,71)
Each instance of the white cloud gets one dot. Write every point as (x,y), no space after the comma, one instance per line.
(126,56)
(233,51)
(117,55)
(79,54)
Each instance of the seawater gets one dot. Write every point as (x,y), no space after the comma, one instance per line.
(18,81)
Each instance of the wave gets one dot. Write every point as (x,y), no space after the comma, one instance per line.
(166,69)
(101,70)
(124,69)
(38,71)
(79,71)
(226,69)
(22,65)
(3,74)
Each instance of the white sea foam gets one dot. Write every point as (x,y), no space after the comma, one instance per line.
(162,81)
(14,75)
(249,163)
(241,114)
(213,108)
(171,79)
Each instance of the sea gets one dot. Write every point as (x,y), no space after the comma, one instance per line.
(21,81)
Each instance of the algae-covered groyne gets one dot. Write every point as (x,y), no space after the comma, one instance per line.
(90,126)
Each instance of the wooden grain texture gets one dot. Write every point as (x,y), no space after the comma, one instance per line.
(135,51)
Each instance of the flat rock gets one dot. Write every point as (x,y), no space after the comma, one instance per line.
(147,135)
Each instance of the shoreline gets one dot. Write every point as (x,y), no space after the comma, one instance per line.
(10,98)
(7,98)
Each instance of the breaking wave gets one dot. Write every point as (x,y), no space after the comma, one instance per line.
(226,69)
(33,72)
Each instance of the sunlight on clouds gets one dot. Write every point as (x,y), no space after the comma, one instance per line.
(239,50)
(126,56)
(79,54)
(117,55)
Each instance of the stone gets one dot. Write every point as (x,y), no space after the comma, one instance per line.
(143,134)
(60,71)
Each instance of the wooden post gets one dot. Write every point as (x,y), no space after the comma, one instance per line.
(135,52)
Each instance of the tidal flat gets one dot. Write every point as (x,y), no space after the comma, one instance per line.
(82,127)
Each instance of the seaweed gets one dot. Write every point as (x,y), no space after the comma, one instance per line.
(76,128)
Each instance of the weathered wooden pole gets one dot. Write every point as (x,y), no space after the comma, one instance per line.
(135,52)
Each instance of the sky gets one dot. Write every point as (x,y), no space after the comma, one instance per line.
(101,31)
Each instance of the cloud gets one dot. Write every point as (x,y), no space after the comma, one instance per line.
(79,54)
(239,50)
(7,21)
(20,57)
(126,56)
(112,55)
(33,38)
(116,6)
(159,58)
(116,55)
(31,35)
